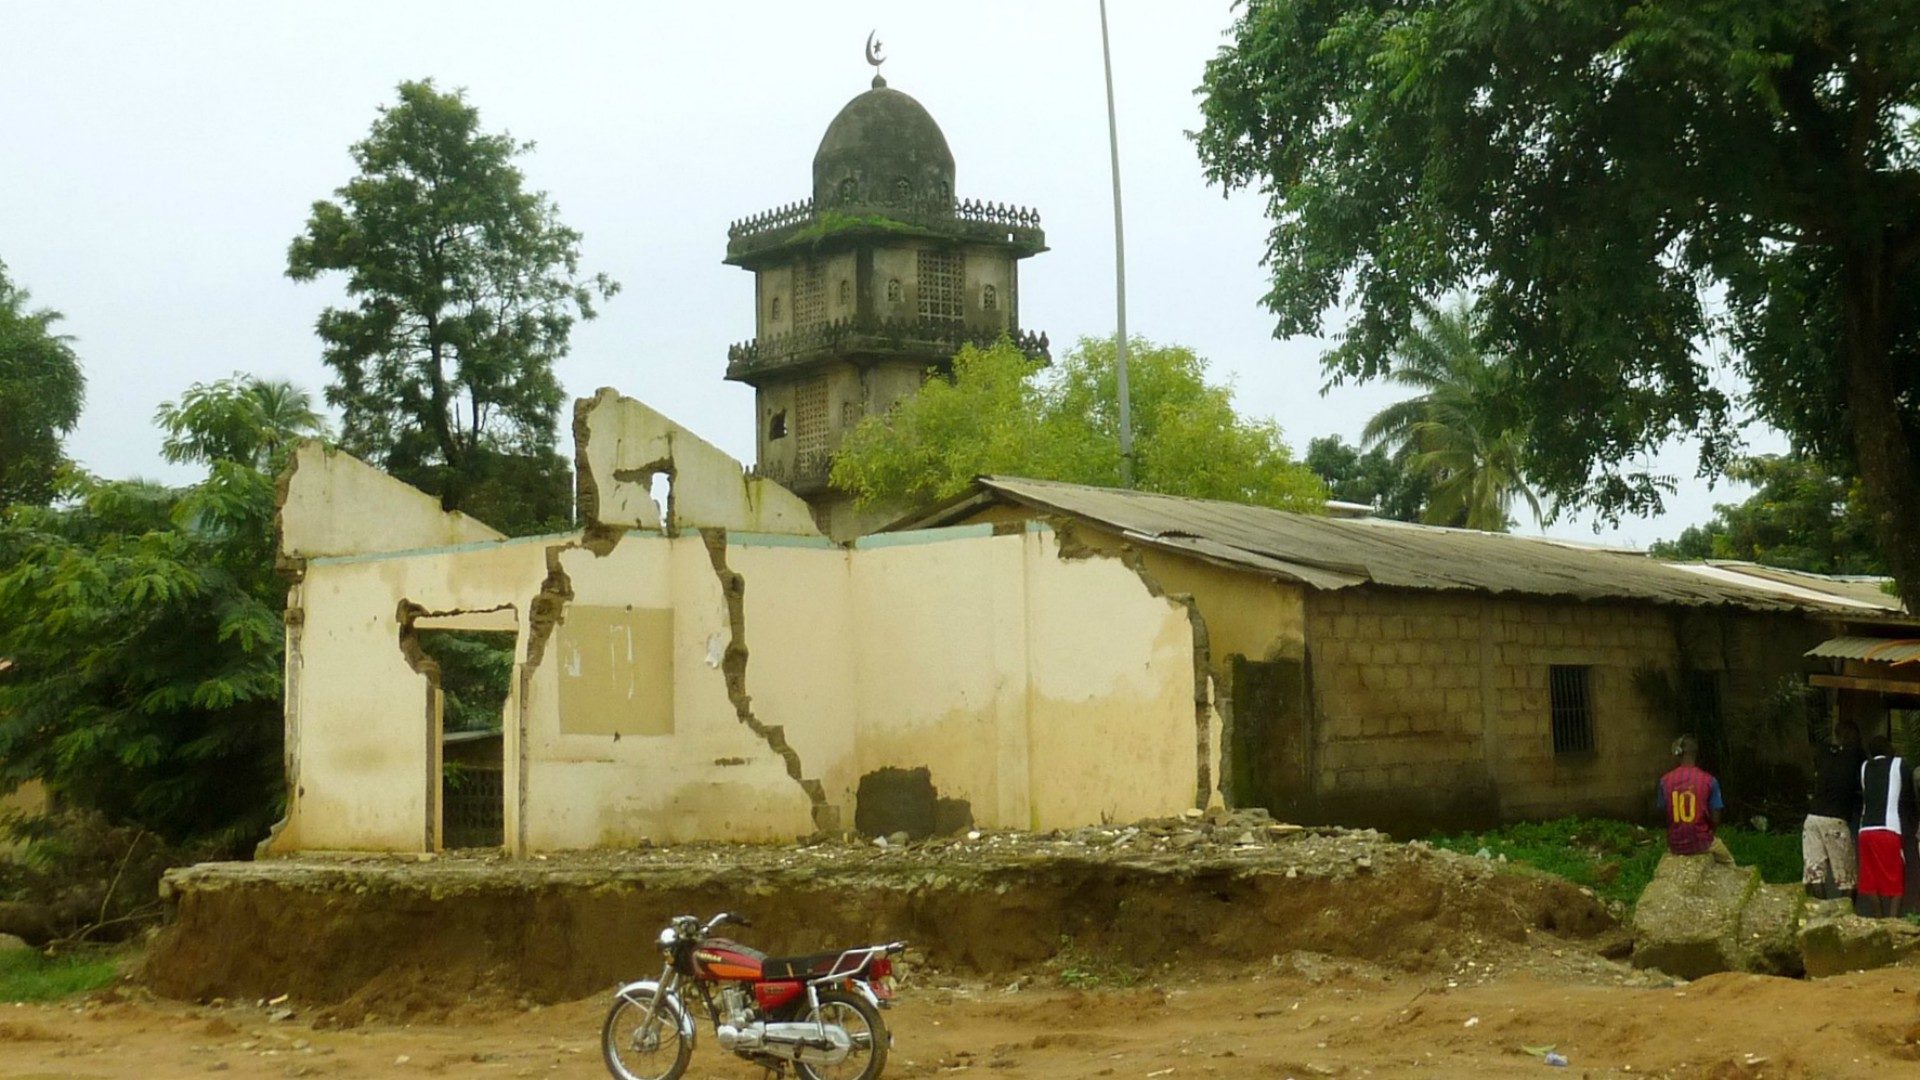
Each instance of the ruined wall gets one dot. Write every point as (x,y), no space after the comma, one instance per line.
(742,686)
(1434,710)
(362,744)
(328,518)
(1042,692)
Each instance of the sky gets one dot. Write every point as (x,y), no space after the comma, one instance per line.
(156,159)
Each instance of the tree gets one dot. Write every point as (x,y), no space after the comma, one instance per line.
(1462,431)
(1629,187)
(1002,413)
(1801,518)
(41,390)
(467,288)
(145,628)
(1388,484)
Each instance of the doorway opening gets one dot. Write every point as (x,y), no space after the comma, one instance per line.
(475,680)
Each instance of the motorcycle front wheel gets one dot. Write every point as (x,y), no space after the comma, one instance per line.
(638,1049)
(863,1025)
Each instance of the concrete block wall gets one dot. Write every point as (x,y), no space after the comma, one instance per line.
(1433,711)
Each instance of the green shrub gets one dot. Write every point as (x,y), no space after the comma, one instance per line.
(1616,859)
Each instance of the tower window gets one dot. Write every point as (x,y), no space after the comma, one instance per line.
(810,416)
(846,292)
(894,294)
(942,280)
(989,298)
(777,427)
(848,189)
(809,295)
(773,310)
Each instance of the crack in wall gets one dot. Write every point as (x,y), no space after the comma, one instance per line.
(1202,675)
(1072,547)
(733,665)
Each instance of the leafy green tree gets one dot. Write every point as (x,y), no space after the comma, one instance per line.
(41,390)
(1802,518)
(1002,413)
(145,628)
(1387,483)
(1462,430)
(1628,187)
(466,288)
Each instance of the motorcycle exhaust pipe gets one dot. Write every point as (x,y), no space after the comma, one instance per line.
(791,1041)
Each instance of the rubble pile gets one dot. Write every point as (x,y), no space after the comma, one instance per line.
(1188,891)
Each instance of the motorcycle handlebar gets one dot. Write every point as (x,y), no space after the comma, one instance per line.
(728,917)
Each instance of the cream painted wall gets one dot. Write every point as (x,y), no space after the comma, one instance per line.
(1045,692)
(331,484)
(360,748)
(624,437)
(1113,722)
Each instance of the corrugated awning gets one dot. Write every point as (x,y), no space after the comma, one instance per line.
(1880,650)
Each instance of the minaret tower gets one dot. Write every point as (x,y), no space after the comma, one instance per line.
(861,290)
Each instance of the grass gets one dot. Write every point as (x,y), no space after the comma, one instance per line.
(30,975)
(1616,858)
(1081,969)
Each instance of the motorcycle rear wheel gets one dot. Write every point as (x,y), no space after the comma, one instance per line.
(863,1024)
(658,1052)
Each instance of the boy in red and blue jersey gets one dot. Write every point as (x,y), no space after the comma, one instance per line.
(1690,800)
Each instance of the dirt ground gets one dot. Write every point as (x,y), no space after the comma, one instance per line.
(1302,1015)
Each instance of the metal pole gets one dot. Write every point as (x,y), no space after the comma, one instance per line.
(1119,270)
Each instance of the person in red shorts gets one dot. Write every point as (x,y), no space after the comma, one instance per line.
(1690,801)
(1886,811)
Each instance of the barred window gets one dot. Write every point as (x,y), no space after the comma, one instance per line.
(942,285)
(810,416)
(989,298)
(809,295)
(1571,694)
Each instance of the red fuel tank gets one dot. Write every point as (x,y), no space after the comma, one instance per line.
(719,958)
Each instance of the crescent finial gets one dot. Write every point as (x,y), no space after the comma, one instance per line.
(874,56)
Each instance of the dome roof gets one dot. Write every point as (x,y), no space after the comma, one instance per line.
(882,150)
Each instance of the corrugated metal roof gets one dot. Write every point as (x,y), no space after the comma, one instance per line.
(1332,553)
(1864,589)
(1878,649)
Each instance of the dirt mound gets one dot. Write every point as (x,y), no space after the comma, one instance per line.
(404,938)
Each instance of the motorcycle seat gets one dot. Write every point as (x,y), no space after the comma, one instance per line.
(799,967)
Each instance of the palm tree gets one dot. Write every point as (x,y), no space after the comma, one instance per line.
(1461,429)
(244,419)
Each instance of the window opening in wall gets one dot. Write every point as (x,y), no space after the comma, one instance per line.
(476,671)
(894,292)
(660,487)
(942,282)
(777,427)
(989,298)
(846,292)
(810,416)
(809,295)
(851,412)
(773,310)
(1571,694)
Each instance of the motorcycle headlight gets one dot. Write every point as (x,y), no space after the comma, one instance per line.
(667,940)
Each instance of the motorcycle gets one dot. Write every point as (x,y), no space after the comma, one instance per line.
(819,1013)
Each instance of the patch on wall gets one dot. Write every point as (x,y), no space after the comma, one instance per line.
(616,671)
(904,800)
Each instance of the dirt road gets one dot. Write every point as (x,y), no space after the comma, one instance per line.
(1303,1018)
